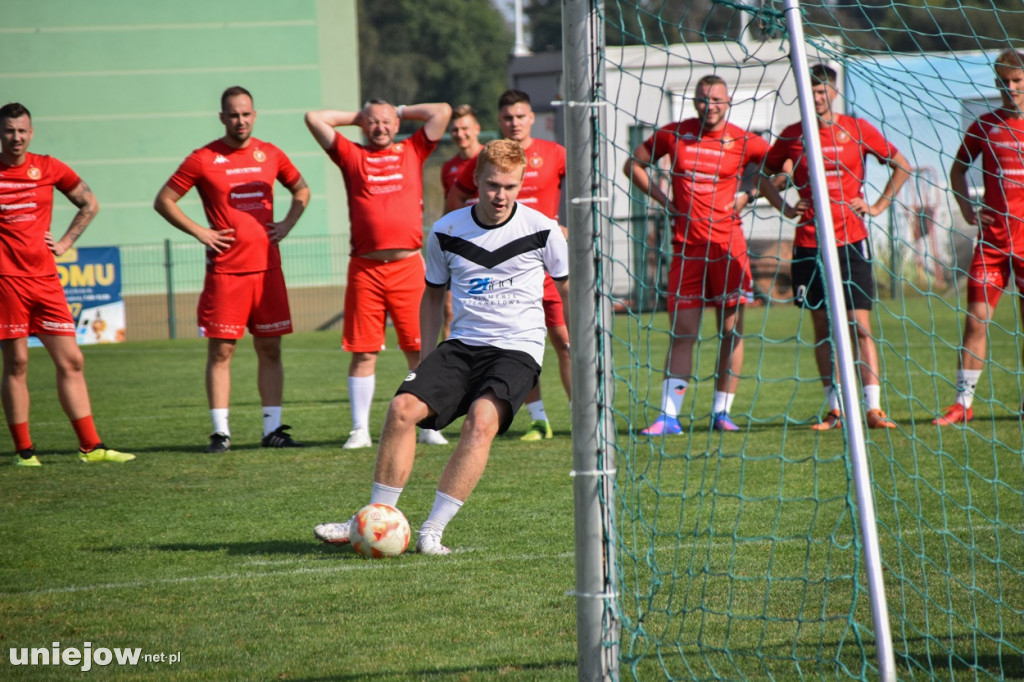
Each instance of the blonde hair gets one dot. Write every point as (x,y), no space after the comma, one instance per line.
(505,155)
(461,110)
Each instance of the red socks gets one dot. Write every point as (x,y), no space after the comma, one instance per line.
(85,429)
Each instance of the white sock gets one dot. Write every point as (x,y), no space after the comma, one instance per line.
(966,383)
(537,412)
(832,397)
(445,508)
(722,402)
(384,494)
(360,397)
(873,396)
(219,417)
(271,419)
(672,391)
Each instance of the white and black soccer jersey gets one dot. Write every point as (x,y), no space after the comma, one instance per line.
(497,276)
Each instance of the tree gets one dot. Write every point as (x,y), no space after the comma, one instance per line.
(451,51)
(544,24)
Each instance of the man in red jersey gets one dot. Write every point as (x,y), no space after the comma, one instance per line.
(542,190)
(244,285)
(710,265)
(384,181)
(32,299)
(465,132)
(998,138)
(846,142)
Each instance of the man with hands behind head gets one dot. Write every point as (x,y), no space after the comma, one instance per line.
(384,181)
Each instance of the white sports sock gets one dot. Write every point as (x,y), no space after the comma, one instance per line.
(360,397)
(445,508)
(721,402)
(832,397)
(537,412)
(672,391)
(872,396)
(271,419)
(384,494)
(219,417)
(966,384)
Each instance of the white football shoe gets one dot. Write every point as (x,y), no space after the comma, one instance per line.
(358,438)
(430,544)
(432,437)
(334,533)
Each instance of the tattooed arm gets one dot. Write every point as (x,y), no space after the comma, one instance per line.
(82,197)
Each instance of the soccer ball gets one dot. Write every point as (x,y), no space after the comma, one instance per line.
(379,530)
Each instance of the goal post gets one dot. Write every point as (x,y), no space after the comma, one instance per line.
(844,356)
(593,428)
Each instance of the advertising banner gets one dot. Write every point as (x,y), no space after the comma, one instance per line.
(91,277)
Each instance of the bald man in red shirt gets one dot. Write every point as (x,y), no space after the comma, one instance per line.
(384,181)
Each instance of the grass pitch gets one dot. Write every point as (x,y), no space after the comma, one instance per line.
(211,557)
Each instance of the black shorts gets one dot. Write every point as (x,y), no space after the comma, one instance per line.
(456,374)
(854,266)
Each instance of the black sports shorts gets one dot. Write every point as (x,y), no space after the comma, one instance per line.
(854,266)
(456,374)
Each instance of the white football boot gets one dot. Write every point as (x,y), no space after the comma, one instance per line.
(432,437)
(358,438)
(334,533)
(430,544)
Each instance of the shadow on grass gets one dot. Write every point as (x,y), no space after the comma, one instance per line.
(256,548)
(460,673)
(1008,666)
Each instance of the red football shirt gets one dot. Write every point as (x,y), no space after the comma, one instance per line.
(999,141)
(385,191)
(706,171)
(542,181)
(845,144)
(450,170)
(26,208)
(237,190)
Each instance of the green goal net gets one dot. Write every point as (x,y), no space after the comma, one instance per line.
(739,554)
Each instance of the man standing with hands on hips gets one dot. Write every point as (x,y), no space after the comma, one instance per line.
(244,285)
(32,299)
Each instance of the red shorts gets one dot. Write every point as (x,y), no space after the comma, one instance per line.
(554,316)
(377,290)
(709,274)
(34,305)
(989,273)
(230,303)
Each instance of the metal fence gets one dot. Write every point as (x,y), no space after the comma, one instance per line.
(161,284)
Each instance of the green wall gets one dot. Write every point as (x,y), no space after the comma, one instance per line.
(123,90)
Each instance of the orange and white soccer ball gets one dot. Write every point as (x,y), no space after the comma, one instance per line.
(379,530)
